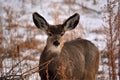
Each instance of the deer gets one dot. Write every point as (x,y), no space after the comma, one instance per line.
(77,59)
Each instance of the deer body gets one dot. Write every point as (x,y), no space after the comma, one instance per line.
(74,60)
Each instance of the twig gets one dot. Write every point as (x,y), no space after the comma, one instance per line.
(46,63)
(16,65)
(88,8)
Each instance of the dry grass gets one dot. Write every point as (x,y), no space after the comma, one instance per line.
(14,65)
(16,48)
(111,31)
(98,31)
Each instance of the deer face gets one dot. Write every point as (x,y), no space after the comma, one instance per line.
(55,40)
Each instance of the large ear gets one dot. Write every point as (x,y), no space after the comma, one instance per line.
(39,21)
(71,22)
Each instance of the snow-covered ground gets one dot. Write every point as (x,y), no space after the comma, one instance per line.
(54,11)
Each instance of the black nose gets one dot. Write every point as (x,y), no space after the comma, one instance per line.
(56,43)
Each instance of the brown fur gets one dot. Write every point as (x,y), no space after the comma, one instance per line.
(80,59)
(74,60)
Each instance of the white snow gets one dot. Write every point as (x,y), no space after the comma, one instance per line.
(41,37)
(52,9)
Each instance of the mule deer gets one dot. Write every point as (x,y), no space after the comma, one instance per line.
(73,60)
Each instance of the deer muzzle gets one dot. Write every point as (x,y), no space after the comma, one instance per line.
(56,43)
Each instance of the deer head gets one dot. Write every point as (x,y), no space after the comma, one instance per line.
(55,40)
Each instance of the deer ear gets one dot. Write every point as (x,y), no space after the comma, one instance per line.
(71,22)
(39,21)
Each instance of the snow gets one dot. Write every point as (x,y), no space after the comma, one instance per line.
(98,40)
(91,22)
(51,9)
(41,37)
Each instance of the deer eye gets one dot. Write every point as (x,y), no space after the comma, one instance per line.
(50,34)
(62,34)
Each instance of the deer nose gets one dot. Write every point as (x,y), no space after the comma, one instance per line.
(56,43)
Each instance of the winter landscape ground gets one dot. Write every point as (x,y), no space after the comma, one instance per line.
(21,43)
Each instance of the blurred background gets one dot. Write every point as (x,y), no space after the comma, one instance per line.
(21,42)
